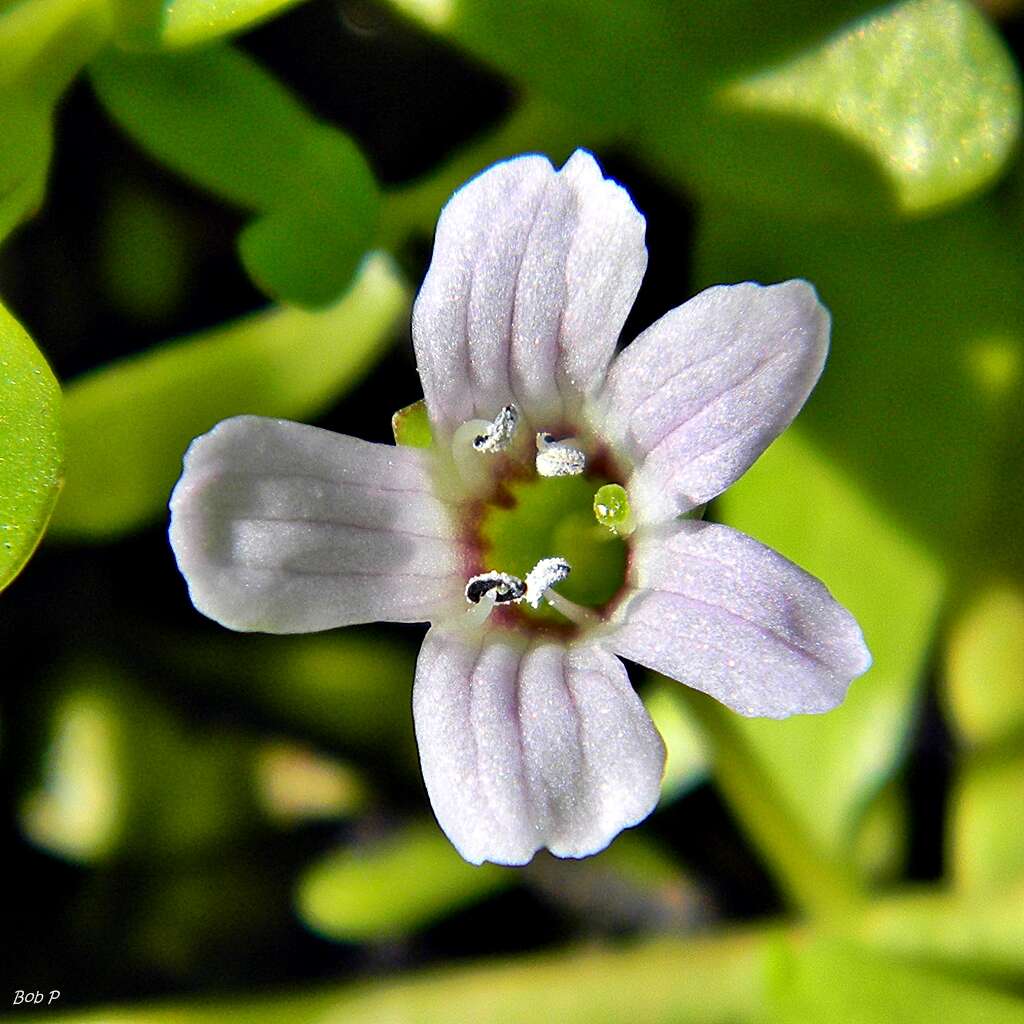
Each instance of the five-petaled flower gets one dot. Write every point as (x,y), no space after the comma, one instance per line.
(529,731)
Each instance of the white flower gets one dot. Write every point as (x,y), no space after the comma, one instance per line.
(529,732)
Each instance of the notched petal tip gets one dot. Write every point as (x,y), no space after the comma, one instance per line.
(524,747)
(533,274)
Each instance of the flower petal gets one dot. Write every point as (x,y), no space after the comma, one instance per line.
(702,392)
(723,613)
(284,528)
(530,746)
(533,274)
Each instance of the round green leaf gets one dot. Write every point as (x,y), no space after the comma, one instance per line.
(927,89)
(31,446)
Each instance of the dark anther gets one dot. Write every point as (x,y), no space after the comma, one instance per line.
(507,589)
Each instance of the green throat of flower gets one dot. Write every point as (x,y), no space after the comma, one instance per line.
(542,517)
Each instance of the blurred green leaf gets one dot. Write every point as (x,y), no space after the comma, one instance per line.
(146,24)
(908,407)
(218,118)
(129,423)
(967,932)
(882,836)
(415,877)
(145,259)
(718,979)
(121,776)
(296,784)
(26,129)
(797,106)
(44,45)
(927,88)
(828,766)
(31,446)
(711,981)
(347,688)
(411,426)
(984,669)
(687,762)
(393,887)
(872,490)
(828,980)
(46,42)
(985,846)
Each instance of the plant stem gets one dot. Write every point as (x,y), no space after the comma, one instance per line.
(820,884)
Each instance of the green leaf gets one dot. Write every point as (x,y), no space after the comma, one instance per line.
(707,981)
(983,679)
(46,42)
(120,775)
(148,24)
(687,762)
(985,846)
(830,980)
(796,106)
(921,312)
(411,426)
(882,839)
(348,688)
(966,932)
(392,887)
(129,423)
(873,490)
(31,446)
(927,89)
(44,45)
(800,503)
(415,877)
(218,118)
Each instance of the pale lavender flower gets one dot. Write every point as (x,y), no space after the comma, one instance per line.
(529,732)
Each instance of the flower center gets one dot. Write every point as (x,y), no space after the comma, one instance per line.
(539,517)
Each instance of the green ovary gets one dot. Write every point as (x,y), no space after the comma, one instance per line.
(554,516)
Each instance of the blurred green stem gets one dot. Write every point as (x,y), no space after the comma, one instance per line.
(815,881)
(533,127)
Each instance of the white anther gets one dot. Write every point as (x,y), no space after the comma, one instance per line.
(498,435)
(558,458)
(500,587)
(546,573)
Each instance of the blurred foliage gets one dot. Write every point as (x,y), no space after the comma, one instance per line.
(210,796)
(984,682)
(129,423)
(148,24)
(218,118)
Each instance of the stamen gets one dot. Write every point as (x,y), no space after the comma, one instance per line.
(558,458)
(498,435)
(501,587)
(545,574)
(572,611)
